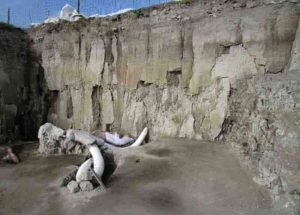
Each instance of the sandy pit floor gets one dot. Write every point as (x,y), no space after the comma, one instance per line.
(171,176)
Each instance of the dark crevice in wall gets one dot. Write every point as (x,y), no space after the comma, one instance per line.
(226,128)
(240,33)
(105,57)
(109,58)
(88,50)
(120,56)
(226,50)
(174,77)
(96,106)
(108,127)
(187,56)
(79,46)
(182,36)
(143,84)
(51,101)
(148,43)
(69,107)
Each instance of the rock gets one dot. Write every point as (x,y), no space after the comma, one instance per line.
(251,4)
(68,13)
(86,186)
(274,1)
(212,14)
(279,132)
(154,13)
(73,187)
(186,18)
(217,8)
(49,136)
(228,65)
(51,20)
(165,11)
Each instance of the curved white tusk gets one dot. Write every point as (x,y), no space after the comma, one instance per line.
(141,138)
(98,161)
(82,173)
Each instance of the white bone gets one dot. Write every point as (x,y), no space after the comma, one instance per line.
(98,161)
(141,138)
(83,171)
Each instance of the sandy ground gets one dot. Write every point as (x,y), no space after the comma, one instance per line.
(165,177)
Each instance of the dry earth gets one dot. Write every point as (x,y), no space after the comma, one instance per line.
(171,176)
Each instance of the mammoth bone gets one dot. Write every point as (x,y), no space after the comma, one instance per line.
(54,140)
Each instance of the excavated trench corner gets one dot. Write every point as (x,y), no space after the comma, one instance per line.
(201,70)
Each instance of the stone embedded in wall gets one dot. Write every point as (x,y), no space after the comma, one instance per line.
(237,64)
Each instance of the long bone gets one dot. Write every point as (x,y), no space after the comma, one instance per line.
(90,141)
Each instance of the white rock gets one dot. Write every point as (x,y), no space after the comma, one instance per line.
(51,20)
(154,13)
(68,13)
(279,132)
(49,138)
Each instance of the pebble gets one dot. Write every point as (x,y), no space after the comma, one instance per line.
(86,186)
(73,187)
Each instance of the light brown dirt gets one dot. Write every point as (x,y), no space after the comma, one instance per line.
(165,177)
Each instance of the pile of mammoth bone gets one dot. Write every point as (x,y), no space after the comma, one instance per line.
(98,148)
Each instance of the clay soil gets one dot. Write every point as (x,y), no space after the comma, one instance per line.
(171,176)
